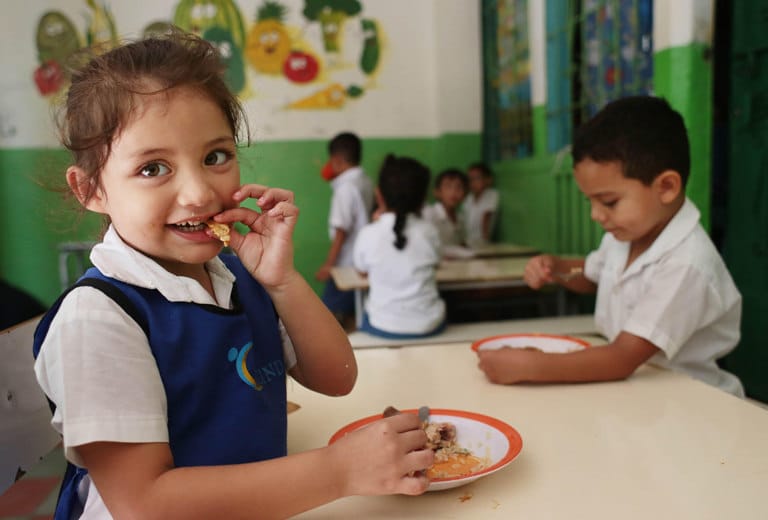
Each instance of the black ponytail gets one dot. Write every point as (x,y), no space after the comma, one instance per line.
(403,183)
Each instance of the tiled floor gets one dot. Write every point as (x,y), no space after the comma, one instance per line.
(34,496)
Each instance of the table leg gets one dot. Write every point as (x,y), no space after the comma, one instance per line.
(358,307)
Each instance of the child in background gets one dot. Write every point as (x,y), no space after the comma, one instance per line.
(351,206)
(481,205)
(663,292)
(167,363)
(451,187)
(399,252)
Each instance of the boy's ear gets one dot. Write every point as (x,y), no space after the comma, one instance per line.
(90,196)
(668,185)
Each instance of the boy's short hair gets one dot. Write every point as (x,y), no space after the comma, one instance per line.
(643,133)
(482,168)
(347,145)
(452,173)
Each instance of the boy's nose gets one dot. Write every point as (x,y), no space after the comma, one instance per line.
(597,214)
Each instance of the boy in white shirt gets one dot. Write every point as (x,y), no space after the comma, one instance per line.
(451,187)
(351,206)
(663,292)
(481,206)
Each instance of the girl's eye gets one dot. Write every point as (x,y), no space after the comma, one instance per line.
(154,170)
(216,158)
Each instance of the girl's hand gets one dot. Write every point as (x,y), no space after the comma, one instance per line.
(267,249)
(384,457)
(538,271)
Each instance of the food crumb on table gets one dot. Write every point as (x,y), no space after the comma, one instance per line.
(465,497)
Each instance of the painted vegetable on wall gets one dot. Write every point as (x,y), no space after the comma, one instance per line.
(102,30)
(301,67)
(331,14)
(268,43)
(56,39)
(369,59)
(219,22)
(234,73)
(197,16)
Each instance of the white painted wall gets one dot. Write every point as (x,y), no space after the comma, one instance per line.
(429,80)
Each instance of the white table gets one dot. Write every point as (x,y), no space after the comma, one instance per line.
(474,273)
(658,445)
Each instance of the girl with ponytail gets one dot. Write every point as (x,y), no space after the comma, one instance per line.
(400,252)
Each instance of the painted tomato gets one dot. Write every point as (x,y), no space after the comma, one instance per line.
(49,77)
(300,67)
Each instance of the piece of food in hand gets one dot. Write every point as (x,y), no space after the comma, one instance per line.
(220,231)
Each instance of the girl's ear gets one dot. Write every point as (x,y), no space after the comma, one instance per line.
(669,185)
(92,198)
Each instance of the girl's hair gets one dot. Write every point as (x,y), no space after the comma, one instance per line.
(403,183)
(104,91)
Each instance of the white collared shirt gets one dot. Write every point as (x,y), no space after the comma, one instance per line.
(678,295)
(351,206)
(474,209)
(402,296)
(451,232)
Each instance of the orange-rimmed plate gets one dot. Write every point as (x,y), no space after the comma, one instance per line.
(486,437)
(543,342)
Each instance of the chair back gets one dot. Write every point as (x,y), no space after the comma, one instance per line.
(26,435)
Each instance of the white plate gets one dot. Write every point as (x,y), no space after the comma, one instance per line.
(486,437)
(543,342)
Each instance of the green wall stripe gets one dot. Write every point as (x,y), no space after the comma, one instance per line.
(39,219)
(683,75)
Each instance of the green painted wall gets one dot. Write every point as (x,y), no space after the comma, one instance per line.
(37,219)
(683,75)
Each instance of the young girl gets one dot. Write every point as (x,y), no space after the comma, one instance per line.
(481,206)
(167,363)
(399,252)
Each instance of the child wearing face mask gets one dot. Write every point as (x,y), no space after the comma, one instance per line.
(167,363)
(664,294)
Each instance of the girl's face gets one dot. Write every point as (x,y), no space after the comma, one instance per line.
(170,169)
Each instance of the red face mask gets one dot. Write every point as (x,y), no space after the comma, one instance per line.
(327,172)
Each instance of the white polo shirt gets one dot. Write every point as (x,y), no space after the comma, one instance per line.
(474,209)
(677,295)
(351,206)
(402,295)
(451,233)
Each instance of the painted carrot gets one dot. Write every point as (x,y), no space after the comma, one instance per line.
(331,97)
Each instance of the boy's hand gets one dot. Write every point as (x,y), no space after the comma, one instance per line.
(538,271)
(267,249)
(506,366)
(384,457)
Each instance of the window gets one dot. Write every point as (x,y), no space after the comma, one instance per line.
(508,127)
(597,51)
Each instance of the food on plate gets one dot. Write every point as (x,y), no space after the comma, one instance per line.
(220,231)
(451,459)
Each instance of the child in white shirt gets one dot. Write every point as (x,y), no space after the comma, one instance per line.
(663,292)
(481,206)
(400,252)
(451,187)
(351,206)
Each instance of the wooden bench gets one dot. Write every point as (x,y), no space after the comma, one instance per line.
(26,435)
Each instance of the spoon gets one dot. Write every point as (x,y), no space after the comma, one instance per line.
(568,275)
(424,413)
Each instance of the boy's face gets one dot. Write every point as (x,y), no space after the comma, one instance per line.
(167,174)
(624,207)
(450,193)
(477,181)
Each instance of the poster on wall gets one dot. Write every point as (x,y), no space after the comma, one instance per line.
(303,69)
(267,46)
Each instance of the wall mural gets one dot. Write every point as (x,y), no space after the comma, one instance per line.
(266,47)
